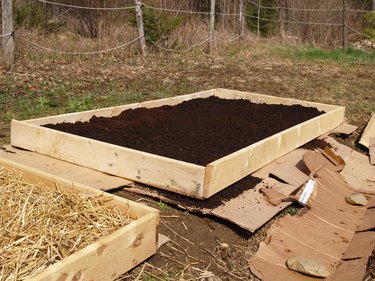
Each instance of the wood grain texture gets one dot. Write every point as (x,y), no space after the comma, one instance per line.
(162,172)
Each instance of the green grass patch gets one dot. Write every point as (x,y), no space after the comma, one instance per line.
(343,56)
(162,206)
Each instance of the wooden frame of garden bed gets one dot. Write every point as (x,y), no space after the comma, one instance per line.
(111,255)
(166,173)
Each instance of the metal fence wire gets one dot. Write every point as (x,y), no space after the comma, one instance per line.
(247,16)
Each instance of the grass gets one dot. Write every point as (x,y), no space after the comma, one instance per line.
(49,84)
(162,206)
(346,56)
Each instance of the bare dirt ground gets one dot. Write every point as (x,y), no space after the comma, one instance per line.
(202,248)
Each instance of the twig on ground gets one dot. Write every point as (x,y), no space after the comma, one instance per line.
(175,233)
(184,225)
(174,260)
(140,273)
(156,268)
(185,251)
(228,272)
(172,216)
(215,257)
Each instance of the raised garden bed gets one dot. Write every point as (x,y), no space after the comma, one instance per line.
(85,234)
(178,145)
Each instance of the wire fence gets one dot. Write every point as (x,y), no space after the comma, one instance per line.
(246,22)
(6,34)
(86,7)
(81,53)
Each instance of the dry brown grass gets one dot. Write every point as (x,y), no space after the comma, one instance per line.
(40,226)
(89,31)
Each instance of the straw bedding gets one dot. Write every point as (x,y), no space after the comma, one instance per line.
(40,226)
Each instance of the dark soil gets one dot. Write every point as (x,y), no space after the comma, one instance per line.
(197,131)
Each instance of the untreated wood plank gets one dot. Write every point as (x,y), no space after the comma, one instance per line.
(67,170)
(229,169)
(165,173)
(84,116)
(258,98)
(372,150)
(110,256)
(36,176)
(368,132)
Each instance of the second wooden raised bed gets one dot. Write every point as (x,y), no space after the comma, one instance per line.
(111,255)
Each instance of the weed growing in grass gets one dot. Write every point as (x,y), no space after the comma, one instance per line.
(44,101)
(162,206)
(292,210)
(80,104)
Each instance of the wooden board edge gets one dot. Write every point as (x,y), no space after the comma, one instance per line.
(368,132)
(372,150)
(177,99)
(207,186)
(231,168)
(115,110)
(110,256)
(165,173)
(254,97)
(36,176)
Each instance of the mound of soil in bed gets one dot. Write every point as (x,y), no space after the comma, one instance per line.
(198,131)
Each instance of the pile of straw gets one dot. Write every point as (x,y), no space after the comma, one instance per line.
(40,226)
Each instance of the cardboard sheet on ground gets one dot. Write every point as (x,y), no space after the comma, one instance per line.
(326,232)
(368,132)
(350,270)
(368,222)
(345,129)
(63,169)
(358,172)
(361,246)
(250,210)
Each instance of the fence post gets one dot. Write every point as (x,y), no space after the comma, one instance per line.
(242,22)
(282,17)
(141,30)
(258,19)
(212,27)
(8,41)
(343,29)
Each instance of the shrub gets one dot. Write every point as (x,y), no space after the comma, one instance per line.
(266,25)
(29,15)
(157,26)
(370,21)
